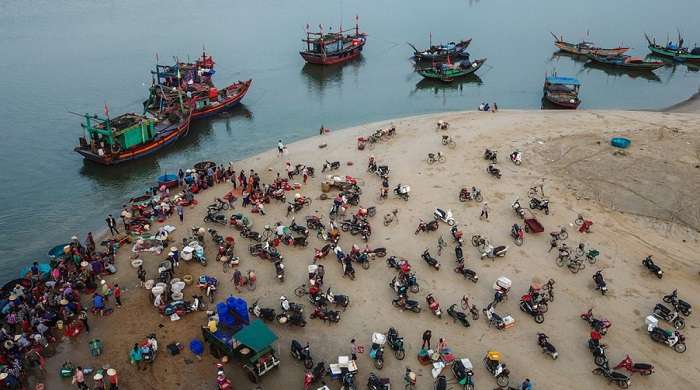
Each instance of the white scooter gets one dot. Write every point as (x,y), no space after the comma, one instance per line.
(444,216)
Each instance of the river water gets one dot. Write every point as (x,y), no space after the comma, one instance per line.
(60,56)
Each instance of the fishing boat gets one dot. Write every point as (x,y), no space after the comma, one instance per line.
(447,72)
(440,52)
(562,92)
(329,48)
(676,52)
(627,62)
(585,48)
(130,136)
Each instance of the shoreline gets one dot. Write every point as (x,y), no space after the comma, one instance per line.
(549,140)
(690,105)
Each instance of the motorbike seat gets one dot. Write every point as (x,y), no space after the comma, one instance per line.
(642,366)
(659,307)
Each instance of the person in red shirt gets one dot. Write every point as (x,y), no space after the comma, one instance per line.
(117,294)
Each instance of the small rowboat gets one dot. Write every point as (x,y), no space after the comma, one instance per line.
(169,181)
(627,62)
(448,72)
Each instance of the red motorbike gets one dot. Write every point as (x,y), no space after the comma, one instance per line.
(518,234)
(434,305)
(457,234)
(427,227)
(629,365)
(583,224)
(599,324)
(322,253)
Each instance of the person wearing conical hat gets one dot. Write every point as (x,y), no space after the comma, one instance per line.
(113,379)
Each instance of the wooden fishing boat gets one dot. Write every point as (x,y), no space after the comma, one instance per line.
(447,72)
(111,141)
(673,51)
(562,92)
(627,62)
(441,52)
(585,48)
(329,48)
(207,99)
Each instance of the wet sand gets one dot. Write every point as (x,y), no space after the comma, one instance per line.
(568,151)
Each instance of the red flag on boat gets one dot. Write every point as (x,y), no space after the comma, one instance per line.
(106,110)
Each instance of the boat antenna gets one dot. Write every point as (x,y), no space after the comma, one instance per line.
(357,24)
(680,39)
(430,38)
(321,41)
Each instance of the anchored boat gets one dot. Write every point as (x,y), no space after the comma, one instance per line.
(447,72)
(627,62)
(328,48)
(441,52)
(562,91)
(676,52)
(585,48)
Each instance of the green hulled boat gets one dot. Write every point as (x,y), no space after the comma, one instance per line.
(676,52)
(447,72)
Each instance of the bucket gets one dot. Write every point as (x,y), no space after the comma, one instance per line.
(187,253)
(620,142)
(157,290)
(176,295)
(59,324)
(325,187)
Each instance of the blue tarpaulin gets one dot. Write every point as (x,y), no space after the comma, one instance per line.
(563,80)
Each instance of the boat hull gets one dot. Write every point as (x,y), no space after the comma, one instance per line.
(574,49)
(458,52)
(565,104)
(693,58)
(344,56)
(223,106)
(643,67)
(141,151)
(431,73)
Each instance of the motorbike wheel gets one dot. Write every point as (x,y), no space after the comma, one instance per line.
(518,241)
(469,386)
(308,364)
(685,312)
(539,318)
(658,275)
(600,361)
(475,241)
(543,307)
(561,261)
(578,221)
(591,259)
(400,354)
(345,227)
(365,264)
(395,303)
(623,384)
(679,323)
(679,347)
(451,222)
(300,291)
(415,288)
(502,380)
(462,198)
(431,161)
(378,364)
(573,268)
(598,370)
(563,235)
(478,198)
(442,159)
(667,299)
(417,310)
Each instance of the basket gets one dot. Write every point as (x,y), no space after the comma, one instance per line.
(188,279)
(149,284)
(136,263)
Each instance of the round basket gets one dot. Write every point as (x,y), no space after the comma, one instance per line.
(149,284)
(178,287)
(176,296)
(136,263)
(188,279)
(157,290)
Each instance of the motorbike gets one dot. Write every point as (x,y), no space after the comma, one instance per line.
(409,379)
(313,222)
(314,375)
(378,252)
(444,216)
(264,251)
(288,306)
(407,281)
(303,354)
(279,270)
(516,157)
(376,351)
(325,314)
(642,368)
(462,370)
(430,260)
(323,252)
(337,299)
(294,207)
(459,254)
(249,234)
(590,254)
(215,217)
(403,191)
(436,157)
(427,226)
(239,221)
(493,171)
(492,252)
(492,362)
(668,315)
(466,272)
(398,264)
(440,383)
(601,325)
(293,318)
(330,166)
(299,169)
(404,303)
(673,339)
(491,155)
(598,351)
(518,234)
(547,347)
(560,235)
(600,282)
(518,208)
(380,170)
(433,305)
(537,204)
(472,308)
(266,314)
(493,318)
(348,270)
(376,383)
(653,268)
(348,381)
(458,315)
(457,235)
(466,194)
(679,304)
(299,229)
(527,306)
(396,343)
(216,237)
(618,378)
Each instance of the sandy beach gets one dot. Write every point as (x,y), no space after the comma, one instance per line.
(642,202)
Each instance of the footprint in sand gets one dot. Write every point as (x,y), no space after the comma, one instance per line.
(636,312)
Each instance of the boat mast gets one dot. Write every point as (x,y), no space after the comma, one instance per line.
(322,42)
(357,25)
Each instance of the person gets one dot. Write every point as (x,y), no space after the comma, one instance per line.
(354,349)
(180,177)
(442,346)
(242,180)
(98,303)
(90,243)
(321,131)
(117,294)
(290,170)
(141,274)
(181,213)
(526,385)
(99,382)
(495,107)
(125,215)
(112,225)
(83,317)
(113,379)
(236,278)
(79,378)
(485,211)
(305,174)
(426,338)
(246,198)
(136,356)
(280,148)
(233,178)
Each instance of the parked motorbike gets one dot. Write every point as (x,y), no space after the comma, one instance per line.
(264,251)
(467,273)
(601,325)
(547,347)
(668,315)
(492,252)
(466,194)
(337,299)
(472,308)
(249,234)
(433,305)
(600,282)
(279,270)
(673,339)
(493,318)
(518,208)
(560,235)
(598,351)
(430,260)
(493,171)
(376,351)
(303,354)
(330,166)
(458,315)
(325,314)
(347,381)
(293,318)
(266,314)
(516,157)
(215,217)
(444,216)
(239,221)
(653,268)
(537,204)
(294,207)
(527,306)
(680,305)
(376,383)
(493,364)
(518,234)
(618,378)
(427,226)
(396,343)
(404,303)
(409,379)
(313,222)
(459,254)
(436,157)
(643,369)
(402,191)
(462,370)
(491,155)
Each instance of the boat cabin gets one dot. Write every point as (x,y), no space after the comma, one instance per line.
(106,136)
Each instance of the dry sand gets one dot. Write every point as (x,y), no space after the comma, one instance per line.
(568,151)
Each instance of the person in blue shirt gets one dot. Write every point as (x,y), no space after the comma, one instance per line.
(98,303)
(526,385)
